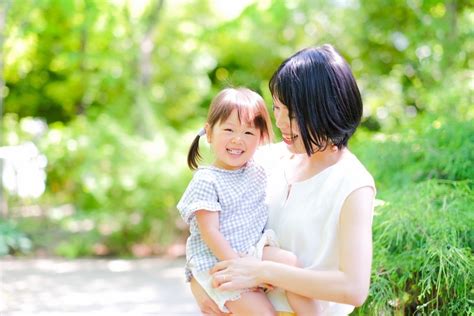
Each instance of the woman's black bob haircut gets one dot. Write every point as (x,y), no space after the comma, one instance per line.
(319,89)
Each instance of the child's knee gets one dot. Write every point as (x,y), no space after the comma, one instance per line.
(251,303)
(257,310)
(265,311)
(281,256)
(290,259)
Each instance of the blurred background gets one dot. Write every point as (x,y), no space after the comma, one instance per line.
(101,99)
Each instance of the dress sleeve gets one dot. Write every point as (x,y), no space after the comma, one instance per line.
(200,194)
(358,178)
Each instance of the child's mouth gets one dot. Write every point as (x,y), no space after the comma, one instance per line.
(235,151)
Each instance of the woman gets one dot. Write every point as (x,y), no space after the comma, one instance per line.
(320,196)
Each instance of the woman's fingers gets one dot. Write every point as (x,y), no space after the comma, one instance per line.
(235,274)
(221,265)
(226,282)
(228,286)
(220,278)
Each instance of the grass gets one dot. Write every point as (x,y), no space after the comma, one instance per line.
(423,241)
(423,232)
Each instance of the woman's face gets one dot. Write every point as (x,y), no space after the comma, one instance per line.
(288,127)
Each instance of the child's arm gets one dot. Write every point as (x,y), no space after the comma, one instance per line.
(208,223)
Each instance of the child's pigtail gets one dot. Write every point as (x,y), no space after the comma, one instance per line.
(193,155)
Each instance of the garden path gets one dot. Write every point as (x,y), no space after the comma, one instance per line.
(153,286)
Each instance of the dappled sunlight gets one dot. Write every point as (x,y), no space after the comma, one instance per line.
(24,172)
(229,10)
(119,266)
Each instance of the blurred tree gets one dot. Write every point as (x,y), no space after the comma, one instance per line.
(4,7)
(420,47)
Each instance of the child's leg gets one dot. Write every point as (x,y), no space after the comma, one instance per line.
(251,303)
(301,305)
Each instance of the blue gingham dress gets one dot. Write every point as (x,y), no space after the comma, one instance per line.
(239,196)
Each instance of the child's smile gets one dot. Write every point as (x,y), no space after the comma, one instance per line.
(233,142)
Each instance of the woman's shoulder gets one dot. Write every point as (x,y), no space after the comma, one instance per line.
(355,170)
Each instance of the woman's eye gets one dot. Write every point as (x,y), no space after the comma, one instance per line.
(275,108)
(227,129)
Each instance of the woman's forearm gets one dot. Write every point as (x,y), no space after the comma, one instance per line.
(335,286)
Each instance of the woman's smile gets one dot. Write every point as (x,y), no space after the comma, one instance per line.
(289,139)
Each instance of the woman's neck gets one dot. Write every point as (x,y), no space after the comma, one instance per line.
(302,166)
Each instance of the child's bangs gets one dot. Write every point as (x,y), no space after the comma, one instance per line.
(248,112)
(248,115)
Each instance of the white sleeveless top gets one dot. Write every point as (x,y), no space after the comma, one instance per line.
(307,222)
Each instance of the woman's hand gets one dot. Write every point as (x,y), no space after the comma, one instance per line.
(237,274)
(205,303)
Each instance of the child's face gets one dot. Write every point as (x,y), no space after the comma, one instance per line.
(233,142)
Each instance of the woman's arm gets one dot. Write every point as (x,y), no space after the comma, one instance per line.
(349,284)
(208,223)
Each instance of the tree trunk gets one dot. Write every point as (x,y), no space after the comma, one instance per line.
(145,116)
(4,6)
(81,106)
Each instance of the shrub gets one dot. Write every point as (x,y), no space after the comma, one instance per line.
(12,239)
(423,242)
(423,233)
(123,188)
(428,148)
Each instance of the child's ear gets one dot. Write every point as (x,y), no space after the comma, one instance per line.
(208,129)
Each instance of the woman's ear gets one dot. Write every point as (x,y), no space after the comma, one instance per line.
(208,129)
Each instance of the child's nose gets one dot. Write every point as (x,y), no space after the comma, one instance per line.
(236,139)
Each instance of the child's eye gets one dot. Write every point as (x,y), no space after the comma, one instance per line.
(249,133)
(228,129)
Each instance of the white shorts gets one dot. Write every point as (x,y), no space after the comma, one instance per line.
(221,297)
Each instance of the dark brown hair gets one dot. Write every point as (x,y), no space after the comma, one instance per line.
(319,89)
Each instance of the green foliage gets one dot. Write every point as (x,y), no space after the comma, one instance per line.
(424,241)
(423,234)
(427,148)
(13,240)
(123,188)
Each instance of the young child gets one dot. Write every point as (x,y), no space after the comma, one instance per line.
(224,204)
